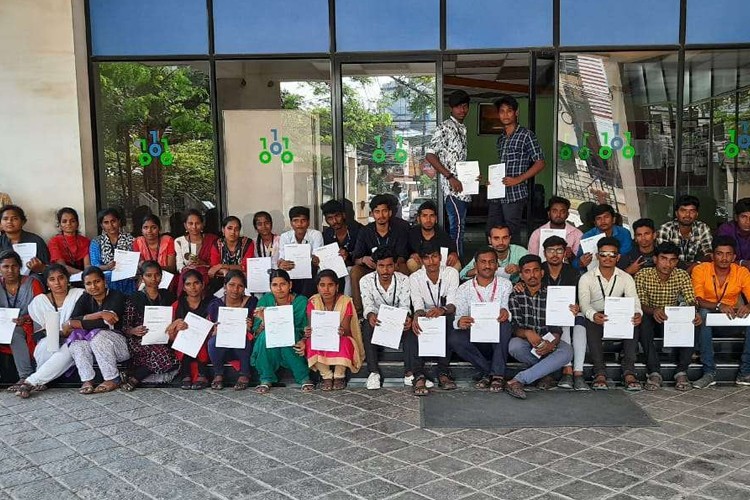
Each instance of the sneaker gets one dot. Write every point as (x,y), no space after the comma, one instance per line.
(373,381)
(707,380)
(409,381)
(579,384)
(742,379)
(565,382)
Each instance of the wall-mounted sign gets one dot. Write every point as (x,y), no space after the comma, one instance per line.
(156,149)
(605,152)
(275,149)
(737,143)
(398,154)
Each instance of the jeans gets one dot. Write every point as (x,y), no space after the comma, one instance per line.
(707,347)
(537,368)
(371,350)
(219,354)
(456,210)
(506,214)
(594,334)
(649,327)
(488,359)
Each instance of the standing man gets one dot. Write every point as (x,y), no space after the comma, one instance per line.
(604,222)
(428,230)
(448,146)
(519,150)
(691,236)
(739,231)
(508,255)
(641,256)
(558,210)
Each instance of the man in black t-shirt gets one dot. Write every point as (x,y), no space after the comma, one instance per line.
(429,230)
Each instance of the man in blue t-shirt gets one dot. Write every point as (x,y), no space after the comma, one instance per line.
(604,222)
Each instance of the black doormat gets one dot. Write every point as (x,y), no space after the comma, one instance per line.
(477,410)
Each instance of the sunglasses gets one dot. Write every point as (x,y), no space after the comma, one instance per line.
(553,251)
(610,255)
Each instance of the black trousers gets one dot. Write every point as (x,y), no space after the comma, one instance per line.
(649,328)
(594,334)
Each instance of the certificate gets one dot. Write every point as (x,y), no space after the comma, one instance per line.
(496,188)
(721,319)
(588,245)
(7,315)
(432,339)
(330,259)
(191,340)
(388,333)
(257,275)
(156,319)
(126,264)
(443,256)
(52,327)
(619,312)
(549,338)
(77,277)
(559,300)
(300,255)
(279,323)
(545,233)
(26,251)
(231,331)
(166,279)
(325,330)
(485,327)
(468,173)
(679,330)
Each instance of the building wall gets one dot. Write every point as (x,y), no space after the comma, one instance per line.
(43,111)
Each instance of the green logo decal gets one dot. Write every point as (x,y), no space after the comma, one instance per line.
(732,150)
(399,154)
(157,149)
(605,152)
(276,149)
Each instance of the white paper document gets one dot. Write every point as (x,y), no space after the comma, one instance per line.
(388,332)
(468,173)
(191,340)
(279,323)
(7,315)
(231,331)
(127,264)
(549,338)
(588,245)
(330,259)
(721,319)
(166,279)
(619,312)
(495,175)
(325,330)
(559,300)
(257,275)
(443,256)
(77,277)
(679,330)
(26,251)
(52,328)
(156,319)
(300,255)
(545,233)
(432,339)
(485,327)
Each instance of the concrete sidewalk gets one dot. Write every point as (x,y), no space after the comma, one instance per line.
(167,443)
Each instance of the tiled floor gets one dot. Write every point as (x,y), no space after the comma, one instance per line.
(166,443)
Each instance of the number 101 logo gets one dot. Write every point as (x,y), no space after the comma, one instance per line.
(275,149)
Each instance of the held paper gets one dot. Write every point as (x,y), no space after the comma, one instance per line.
(232,329)
(388,332)
(559,300)
(127,264)
(432,339)
(26,251)
(191,340)
(330,259)
(279,323)
(300,255)
(679,330)
(468,173)
(156,319)
(7,315)
(588,245)
(257,275)
(52,327)
(485,327)
(496,188)
(325,330)
(619,312)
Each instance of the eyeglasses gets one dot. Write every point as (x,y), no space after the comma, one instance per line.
(553,251)
(610,255)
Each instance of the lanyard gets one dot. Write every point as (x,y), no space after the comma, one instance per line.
(395,288)
(429,289)
(601,287)
(263,250)
(479,295)
(724,290)
(387,240)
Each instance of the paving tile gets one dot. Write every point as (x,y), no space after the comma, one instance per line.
(477,478)
(345,476)
(681,479)
(652,489)
(613,479)
(582,490)
(239,488)
(536,456)
(443,489)
(513,490)
(727,457)
(711,470)
(410,476)
(445,465)
(545,478)
(45,488)
(375,489)
(509,466)
(309,487)
(9,479)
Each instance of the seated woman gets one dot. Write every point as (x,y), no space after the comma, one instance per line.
(102,248)
(69,248)
(234,296)
(94,331)
(18,292)
(351,350)
(155,246)
(146,359)
(193,250)
(267,243)
(231,251)
(51,364)
(12,220)
(267,360)
(193,371)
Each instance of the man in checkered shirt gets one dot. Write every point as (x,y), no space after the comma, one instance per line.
(692,237)
(519,150)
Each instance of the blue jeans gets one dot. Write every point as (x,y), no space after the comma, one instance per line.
(456,210)
(219,355)
(706,338)
(488,359)
(537,368)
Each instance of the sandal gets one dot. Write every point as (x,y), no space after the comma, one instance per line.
(24,391)
(496,384)
(130,384)
(326,385)
(86,388)
(40,388)
(307,387)
(200,383)
(187,384)
(546,383)
(339,384)
(217,383)
(242,383)
(631,383)
(420,387)
(445,382)
(262,388)
(515,389)
(600,383)
(482,384)
(15,387)
(682,383)
(653,382)
(106,386)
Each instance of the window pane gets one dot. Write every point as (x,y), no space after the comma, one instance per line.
(271,27)
(717,21)
(367,25)
(156,145)
(389,118)
(636,22)
(145,27)
(467,30)
(616,132)
(276,118)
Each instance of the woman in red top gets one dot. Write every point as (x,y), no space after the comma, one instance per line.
(231,251)
(155,246)
(69,248)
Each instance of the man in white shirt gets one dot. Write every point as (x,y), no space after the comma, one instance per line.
(488,358)
(433,295)
(608,281)
(389,287)
(301,233)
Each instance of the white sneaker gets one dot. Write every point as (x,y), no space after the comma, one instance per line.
(373,381)
(409,381)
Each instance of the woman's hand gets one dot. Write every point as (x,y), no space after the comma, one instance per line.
(109,317)
(299,348)
(36,265)
(307,332)
(138,331)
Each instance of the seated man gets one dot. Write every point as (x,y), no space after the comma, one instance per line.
(604,222)
(641,256)
(508,255)
(429,230)
(608,281)
(739,230)
(343,232)
(488,359)
(433,295)
(528,311)
(718,286)
(389,287)
(692,236)
(558,210)
(659,287)
(299,218)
